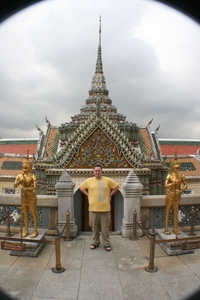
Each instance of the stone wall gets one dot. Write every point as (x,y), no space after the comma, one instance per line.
(158,201)
(51,202)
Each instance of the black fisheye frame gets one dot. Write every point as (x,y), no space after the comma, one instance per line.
(191,8)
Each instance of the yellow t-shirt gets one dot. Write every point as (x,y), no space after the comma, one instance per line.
(99,193)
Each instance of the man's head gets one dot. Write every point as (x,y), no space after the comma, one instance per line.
(97,171)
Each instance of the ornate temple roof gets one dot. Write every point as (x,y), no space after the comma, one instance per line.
(99,140)
(105,140)
(98,100)
(98,134)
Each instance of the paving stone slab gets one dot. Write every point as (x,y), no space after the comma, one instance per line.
(61,285)
(106,291)
(180,287)
(96,274)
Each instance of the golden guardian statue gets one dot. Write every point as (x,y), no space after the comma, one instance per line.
(175,184)
(28,183)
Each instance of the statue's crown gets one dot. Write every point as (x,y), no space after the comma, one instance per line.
(174,161)
(27,159)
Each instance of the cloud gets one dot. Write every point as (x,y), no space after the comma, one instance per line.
(150,58)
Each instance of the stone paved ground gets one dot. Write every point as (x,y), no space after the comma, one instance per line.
(97,274)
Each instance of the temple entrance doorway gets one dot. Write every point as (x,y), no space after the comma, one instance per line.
(81,213)
(85,214)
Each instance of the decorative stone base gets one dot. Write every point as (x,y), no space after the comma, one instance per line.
(127,230)
(172,248)
(73,229)
(32,249)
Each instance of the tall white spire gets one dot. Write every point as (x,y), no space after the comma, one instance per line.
(99,65)
(100,31)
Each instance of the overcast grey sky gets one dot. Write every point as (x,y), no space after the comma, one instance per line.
(151,63)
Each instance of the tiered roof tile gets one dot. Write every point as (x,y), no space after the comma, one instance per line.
(10,166)
(52,141)
(182,147)
(190,166)
(18,146)
(145,142)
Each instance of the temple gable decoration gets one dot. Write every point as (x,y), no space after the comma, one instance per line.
(97,141)
(104,144)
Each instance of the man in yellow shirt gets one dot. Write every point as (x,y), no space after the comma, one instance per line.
(99,190)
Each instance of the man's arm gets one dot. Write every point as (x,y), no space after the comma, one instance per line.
(114,191)
(84,191)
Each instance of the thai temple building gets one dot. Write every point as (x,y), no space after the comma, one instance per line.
(99,135)
(130,154)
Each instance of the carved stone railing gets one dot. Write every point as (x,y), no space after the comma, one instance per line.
(152,213)
(153,210)
(47,207)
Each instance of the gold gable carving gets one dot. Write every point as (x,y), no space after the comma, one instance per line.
(98,148)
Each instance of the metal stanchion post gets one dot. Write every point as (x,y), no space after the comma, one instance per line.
(68,227)
(192,221)
(57,268)
(151,268)
(8,223)
(134,236)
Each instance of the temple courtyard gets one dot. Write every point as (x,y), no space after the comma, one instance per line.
(98,274)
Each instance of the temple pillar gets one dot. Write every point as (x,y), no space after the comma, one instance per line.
(65,193)
(132,190)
